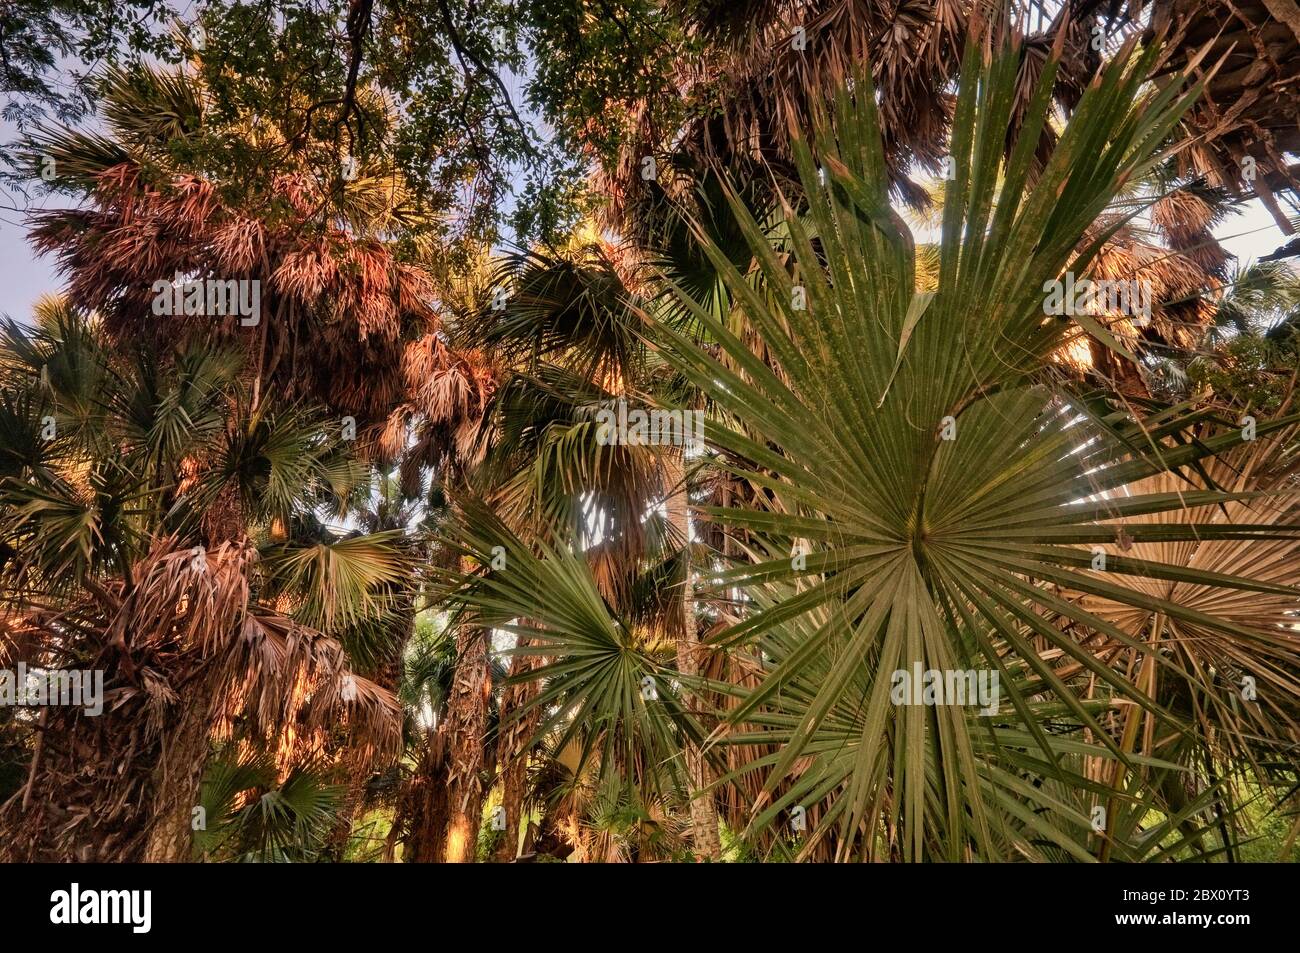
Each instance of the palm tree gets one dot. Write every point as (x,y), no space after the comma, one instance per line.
(571,326)
(947,487)
(948,494)
(752,71)
(756,71)
(1245,124)
(296,549)
(180,188)
(113,463)
(592,661)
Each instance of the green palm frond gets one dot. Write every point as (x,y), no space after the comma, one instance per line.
(24,418)
(67,533)
(152,107)
(1263,292)
(339,583)
(604,683)
(77,158)
(574,311)
(249,814)
(428,668)
(281,459)
(164,412)
(940,488)
(149,110)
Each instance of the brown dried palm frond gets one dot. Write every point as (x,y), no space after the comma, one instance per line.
(190,598)
(274,655)
(1266,646)
(305,273)
(239,244)
(336,302)
(444,416)
(182,646)
(1177,285)
(1249,109)
(333,308)
(1176,282)
(765,67)
(1184,218)
(388,441)
(447,386)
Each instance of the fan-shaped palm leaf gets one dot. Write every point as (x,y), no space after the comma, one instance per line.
(937,490)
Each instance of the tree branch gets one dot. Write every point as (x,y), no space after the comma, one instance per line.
(462,53)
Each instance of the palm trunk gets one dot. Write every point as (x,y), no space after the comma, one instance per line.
(464,728)
(704,813)
(388,674)
(178,776)
(516,730)
(423,812)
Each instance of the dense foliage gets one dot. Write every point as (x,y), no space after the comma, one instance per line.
(753,504)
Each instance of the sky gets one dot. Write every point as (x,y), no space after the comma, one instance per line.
(23,276)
